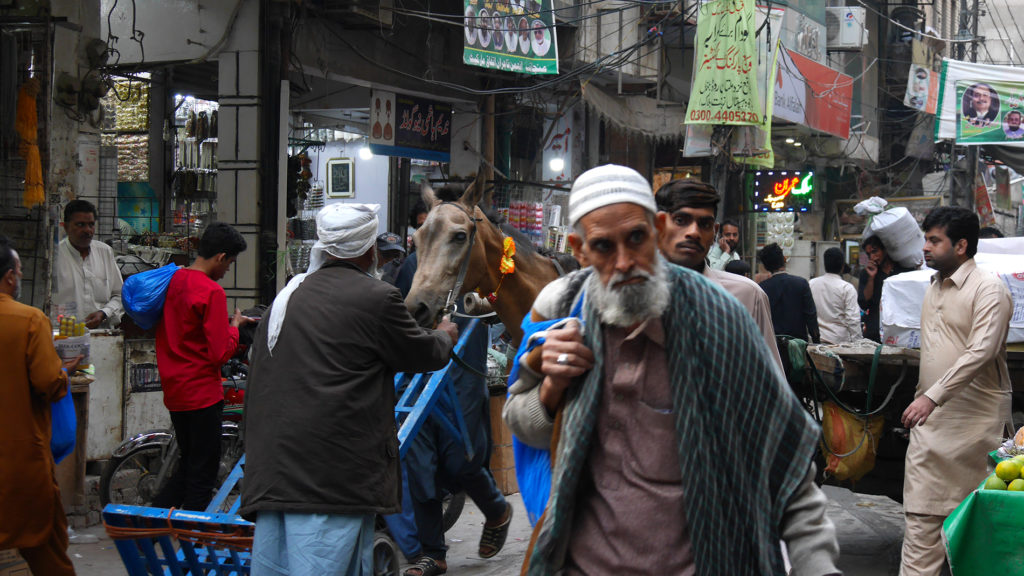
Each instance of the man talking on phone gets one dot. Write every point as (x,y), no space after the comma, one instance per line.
(725,250)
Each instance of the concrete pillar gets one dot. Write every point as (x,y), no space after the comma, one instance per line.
(238,133)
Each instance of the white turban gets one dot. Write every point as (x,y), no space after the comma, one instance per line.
(344,231)
(607,185)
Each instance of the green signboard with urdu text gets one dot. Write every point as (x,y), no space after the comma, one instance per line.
(510,35)
(725,65)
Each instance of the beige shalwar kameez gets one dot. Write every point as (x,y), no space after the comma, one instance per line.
(964,322)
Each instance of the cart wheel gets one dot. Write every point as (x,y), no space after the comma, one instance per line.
(452,505)
(385,555)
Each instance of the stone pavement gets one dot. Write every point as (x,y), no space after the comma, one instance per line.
(870,530)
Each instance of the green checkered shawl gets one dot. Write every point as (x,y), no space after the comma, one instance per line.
(745,443)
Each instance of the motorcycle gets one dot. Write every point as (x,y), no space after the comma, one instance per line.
(141,465)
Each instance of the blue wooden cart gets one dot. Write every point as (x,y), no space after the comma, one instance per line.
(156,541)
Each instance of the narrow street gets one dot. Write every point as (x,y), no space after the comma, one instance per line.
(870,532)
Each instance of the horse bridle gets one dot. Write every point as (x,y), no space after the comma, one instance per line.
(453,294)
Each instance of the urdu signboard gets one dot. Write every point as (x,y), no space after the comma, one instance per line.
(784,191)
(510,35)
(410,126)
(725,89)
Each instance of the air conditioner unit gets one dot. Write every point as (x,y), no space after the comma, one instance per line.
(845,28)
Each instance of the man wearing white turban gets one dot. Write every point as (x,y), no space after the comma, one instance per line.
(321,442)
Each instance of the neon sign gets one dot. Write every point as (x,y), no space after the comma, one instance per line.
(784,191)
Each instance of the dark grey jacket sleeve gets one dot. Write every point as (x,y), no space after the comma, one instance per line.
(404,345)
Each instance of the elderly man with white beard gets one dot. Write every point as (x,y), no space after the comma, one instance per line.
(678,448)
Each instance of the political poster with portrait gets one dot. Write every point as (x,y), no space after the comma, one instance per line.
(725,67)
(989,112)
(922,89)
(977,104)
(510,35)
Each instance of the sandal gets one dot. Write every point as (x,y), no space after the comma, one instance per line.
(493,538)
(426,566)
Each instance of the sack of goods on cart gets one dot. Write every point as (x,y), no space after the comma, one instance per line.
(903,294)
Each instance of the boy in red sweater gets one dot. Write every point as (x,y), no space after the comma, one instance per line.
(193,341)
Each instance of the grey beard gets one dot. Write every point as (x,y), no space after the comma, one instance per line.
(630,304)
(17,289)
(374,271)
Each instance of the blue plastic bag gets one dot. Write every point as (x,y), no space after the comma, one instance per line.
(65,426)
(533,465)
(143,295)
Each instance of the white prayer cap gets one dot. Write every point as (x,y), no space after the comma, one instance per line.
(607,185)
(347,230)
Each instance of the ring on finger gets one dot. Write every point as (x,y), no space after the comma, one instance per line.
(562,359)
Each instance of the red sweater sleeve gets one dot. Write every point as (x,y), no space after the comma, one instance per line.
(221,336)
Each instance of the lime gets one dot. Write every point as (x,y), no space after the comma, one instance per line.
(994,483)
(1019,458)
(1016,486)
(1008,470)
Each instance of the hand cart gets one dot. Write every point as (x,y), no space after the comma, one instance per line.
(218,540)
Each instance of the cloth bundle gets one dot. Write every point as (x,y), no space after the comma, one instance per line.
(27,124)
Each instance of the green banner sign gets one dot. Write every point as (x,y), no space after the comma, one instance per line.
(725,65)
(989,112)
(510,35)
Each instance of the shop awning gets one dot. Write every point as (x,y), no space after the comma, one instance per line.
(638,114)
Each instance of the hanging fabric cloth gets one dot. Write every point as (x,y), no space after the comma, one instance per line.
(27,124)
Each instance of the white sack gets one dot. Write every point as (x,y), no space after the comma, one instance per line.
(1013,245)
(903,297)
(897,229)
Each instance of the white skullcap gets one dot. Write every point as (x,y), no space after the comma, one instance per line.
(607,185)
(344,231)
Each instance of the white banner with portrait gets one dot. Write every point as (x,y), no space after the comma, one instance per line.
(979,105)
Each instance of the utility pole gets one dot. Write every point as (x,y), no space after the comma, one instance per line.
(968,31)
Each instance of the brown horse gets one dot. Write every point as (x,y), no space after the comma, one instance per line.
(443,242)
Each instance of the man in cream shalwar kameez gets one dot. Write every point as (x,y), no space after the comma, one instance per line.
(963,394)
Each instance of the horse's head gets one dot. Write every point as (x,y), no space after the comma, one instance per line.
(443,243)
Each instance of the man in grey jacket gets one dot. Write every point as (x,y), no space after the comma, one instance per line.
(320,436)
(672,456)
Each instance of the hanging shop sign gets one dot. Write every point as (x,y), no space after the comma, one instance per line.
(410,126)
(784,191)
(752,145)
(803,34)
(977,103)
(982,203)
(561,154)
(989,112)
(811,94)
(725,65)
(510,35)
